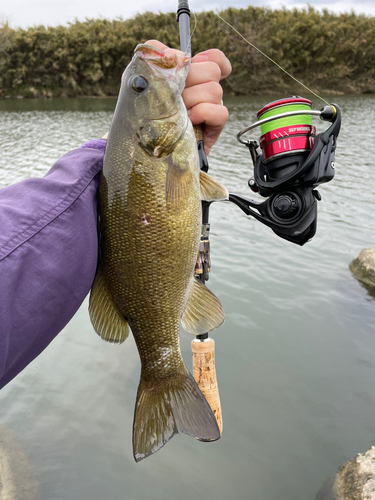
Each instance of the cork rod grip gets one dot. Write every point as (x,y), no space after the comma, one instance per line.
(198,130)
(204,373)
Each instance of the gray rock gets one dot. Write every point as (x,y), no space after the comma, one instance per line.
(363,266)
(355,480)
(16,477)
(329,490)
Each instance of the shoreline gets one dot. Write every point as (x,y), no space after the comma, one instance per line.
(225,95)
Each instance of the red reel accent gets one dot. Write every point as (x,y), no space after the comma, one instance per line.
(286,146)
(284,132)
(284,102)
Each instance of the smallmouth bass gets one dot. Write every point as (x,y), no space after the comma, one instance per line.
(149,232)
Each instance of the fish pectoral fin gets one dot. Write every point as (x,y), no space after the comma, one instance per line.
(170,406)
(203,311)
(107,321)
(179,181)
(212,190)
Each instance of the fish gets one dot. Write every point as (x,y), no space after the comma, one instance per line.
(149,231)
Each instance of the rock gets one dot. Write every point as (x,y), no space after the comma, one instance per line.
(363,266)
(16,477)
(355,480)
(329,490)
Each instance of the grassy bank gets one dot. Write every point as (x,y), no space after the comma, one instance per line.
(330,53)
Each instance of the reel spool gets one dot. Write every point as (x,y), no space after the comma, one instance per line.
(292,163)
(285,136)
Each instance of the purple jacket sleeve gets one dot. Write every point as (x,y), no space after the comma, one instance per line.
(48,254)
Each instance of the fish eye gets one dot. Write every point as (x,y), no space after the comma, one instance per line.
(139,84)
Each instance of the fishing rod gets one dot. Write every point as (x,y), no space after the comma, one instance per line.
(202,347)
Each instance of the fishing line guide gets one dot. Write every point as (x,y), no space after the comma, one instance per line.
(293,163)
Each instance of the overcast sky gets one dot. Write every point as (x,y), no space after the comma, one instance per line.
(25,13)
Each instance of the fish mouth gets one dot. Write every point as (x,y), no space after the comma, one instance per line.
(157,57)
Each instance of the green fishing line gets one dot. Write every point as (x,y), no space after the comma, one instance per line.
(285,122)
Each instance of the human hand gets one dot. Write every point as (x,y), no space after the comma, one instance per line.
(203,93)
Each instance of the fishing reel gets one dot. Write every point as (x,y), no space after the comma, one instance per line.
(292,163)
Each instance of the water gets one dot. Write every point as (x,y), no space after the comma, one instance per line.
(295,356)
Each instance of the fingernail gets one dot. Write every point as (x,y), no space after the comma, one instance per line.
(200,58)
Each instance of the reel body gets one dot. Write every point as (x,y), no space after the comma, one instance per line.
(293,162)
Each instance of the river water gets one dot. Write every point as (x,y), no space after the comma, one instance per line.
(295,356)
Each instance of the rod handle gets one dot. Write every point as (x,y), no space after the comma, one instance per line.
(204,373)
(198,130)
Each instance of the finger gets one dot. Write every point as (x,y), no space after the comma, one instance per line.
(167,50)
(216,56)
(214,117)
(157,44)
(203,72)
(209,92)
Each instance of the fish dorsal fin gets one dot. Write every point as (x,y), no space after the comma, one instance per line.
(107,321)
(203,311)
(212,190)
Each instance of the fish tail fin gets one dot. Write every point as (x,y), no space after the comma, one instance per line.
(170,406)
